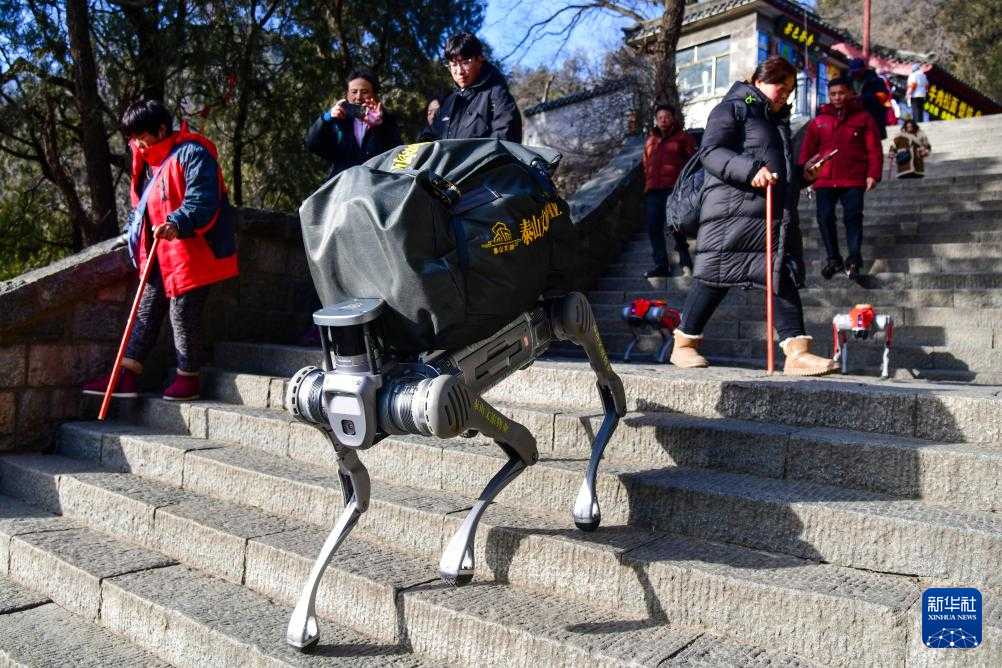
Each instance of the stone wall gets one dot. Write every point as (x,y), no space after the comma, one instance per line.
(60,325)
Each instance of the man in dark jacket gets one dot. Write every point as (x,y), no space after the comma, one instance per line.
(666,151)
(872,93)
(482,107)
(356,128)
(844,125)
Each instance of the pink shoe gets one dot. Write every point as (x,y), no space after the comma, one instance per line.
(127,388)
(184,388)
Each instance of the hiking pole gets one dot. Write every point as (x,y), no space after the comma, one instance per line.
(117,369)
(770,362)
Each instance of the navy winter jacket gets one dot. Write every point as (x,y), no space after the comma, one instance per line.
(730,245)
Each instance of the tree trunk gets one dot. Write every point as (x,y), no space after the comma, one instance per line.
(151,61)
(97,154)
(665,86)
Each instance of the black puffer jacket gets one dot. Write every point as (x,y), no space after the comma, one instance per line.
(484,110)
(730,245)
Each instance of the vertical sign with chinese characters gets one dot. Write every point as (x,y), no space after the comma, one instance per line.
(952,618)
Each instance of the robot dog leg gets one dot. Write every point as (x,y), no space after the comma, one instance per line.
(457,564)
(572,319)
(303,630)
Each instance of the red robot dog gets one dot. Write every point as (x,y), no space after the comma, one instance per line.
(647,315)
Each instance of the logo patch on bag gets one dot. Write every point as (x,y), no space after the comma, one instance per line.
(503,241)
(536,227)
(407,154)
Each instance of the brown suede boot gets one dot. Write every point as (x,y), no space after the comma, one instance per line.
(799,362)
(685,352)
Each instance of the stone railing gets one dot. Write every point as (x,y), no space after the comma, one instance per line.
(60,325)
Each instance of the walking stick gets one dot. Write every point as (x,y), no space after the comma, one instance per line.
(117,369)
(770,362)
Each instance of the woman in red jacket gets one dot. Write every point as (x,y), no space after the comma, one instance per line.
(177,195)
(845,125)
(666,151)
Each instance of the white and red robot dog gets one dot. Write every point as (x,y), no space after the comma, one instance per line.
(861,322)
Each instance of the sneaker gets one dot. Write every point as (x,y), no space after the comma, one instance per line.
(832,267)
(127,388)
(660,271)
(852,271)
(184,388)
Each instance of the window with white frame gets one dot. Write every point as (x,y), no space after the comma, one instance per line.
(704,70)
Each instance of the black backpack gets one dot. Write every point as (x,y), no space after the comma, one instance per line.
(458,236)
(682,207)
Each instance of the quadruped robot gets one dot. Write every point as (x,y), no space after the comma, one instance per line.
(646,315)
(363,394)
(862,322)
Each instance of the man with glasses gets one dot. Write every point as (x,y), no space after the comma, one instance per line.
(482,107)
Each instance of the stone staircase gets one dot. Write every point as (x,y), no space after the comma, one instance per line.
(933,252)
(748,521)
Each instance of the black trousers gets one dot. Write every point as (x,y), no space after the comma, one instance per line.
(703,300)
(918,109)
(185,319)
(654,213)
(852,217)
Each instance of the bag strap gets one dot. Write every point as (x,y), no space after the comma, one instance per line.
(140,210)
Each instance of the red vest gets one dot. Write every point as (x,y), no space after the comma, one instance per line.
(189,263)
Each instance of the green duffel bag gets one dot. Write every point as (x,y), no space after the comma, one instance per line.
(457,236)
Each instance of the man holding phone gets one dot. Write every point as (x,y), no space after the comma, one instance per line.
(843,140)
(355,128)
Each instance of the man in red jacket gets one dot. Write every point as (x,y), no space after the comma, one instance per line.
(178,196)
(666,151)
(844,125)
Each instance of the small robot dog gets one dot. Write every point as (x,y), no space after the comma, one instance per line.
(647,315)
(862,322)
(364,394)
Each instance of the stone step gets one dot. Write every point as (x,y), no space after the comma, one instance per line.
(817,260)
(622,567)
(900,466)
(934,318)
(924,410)
(36,633)
(367,587)
(182,616)
(640,252)
(631,277)
(911,346)
(865,357)
(752,326)
(644,497)
(840,297)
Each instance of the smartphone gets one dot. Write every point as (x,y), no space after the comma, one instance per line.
(824,159)
(354,110)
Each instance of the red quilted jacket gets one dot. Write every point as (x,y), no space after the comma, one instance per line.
(854,133)
(664,158)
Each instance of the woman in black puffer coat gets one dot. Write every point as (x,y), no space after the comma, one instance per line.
(746,146)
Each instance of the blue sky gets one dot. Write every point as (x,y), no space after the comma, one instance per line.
(507,21)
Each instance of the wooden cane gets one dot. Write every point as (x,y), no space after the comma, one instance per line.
(117,369)
(770,362)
